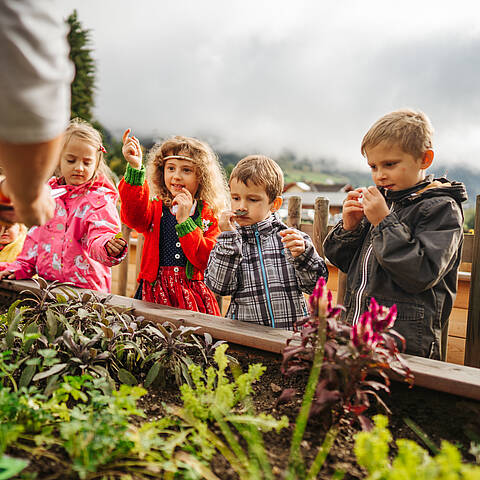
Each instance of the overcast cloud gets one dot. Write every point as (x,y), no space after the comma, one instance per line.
(310,76)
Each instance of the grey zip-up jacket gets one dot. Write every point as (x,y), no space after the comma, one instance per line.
(264,280)
(410,259)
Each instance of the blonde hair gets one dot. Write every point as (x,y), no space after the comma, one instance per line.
(86,132)
(212,187)
(260,170)
(409,129)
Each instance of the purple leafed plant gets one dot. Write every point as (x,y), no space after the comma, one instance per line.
(355,358)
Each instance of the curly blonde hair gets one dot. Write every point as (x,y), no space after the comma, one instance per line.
(86,132)
(212,187)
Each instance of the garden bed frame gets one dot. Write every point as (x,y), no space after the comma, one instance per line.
(432,374)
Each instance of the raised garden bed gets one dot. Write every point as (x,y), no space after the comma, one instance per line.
(440,415)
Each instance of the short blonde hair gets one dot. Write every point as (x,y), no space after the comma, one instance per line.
(411,130)
(86,132)
(212,186)
(260,170)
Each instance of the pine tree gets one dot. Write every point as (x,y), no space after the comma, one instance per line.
(83,84)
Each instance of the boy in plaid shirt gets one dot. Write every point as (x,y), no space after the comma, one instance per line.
(263,264)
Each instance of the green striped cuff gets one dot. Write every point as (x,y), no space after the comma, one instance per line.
(187,226)
(135,176)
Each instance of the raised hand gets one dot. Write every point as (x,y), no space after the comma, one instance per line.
(183,202)
(293,240)
(352,212)
(374,205)
(131,149)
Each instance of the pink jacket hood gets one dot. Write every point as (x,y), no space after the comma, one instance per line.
(71,246)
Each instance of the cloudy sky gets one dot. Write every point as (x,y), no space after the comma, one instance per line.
(266,75)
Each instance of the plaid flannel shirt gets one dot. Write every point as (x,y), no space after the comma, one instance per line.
(264,280)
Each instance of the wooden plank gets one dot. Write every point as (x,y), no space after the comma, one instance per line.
(472,346)
(455,350)
(457,326)
(294,212)
(468,243)
(320,224)
(463,295)
(123,270)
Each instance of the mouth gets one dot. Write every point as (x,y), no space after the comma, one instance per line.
(387,187)
(175,186)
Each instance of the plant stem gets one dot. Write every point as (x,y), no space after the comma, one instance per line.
(327,444)
(295,460)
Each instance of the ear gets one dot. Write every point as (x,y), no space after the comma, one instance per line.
(277,203)
(427,159)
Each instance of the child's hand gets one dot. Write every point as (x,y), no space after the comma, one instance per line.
(9,274)
(293,240)
(352,212)
(184,202)
(131,150)
(115,247)
(225,221)
(374,205)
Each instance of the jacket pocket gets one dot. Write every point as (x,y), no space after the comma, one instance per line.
(410,323)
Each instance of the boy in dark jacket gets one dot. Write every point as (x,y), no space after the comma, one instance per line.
(264,265)
(400,241)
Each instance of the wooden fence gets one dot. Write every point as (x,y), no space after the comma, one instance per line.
(464,329)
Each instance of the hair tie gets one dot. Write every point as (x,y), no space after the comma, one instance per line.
(181,157)
(102,148)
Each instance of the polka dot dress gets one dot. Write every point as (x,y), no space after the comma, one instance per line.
(172,287)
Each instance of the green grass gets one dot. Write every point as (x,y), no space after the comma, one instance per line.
(315,177)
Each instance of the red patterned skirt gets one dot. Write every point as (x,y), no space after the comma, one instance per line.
(173,288)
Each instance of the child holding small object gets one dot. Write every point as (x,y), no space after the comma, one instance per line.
(400,240)
(263,264)
(179,224)
(79,243)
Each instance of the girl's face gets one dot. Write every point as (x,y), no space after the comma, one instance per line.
(79,161)
(9,234)
(178,174)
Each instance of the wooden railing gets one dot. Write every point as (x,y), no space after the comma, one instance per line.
(464,328)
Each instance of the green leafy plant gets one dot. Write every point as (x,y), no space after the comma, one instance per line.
(10,466)
(213,398)
(411,461)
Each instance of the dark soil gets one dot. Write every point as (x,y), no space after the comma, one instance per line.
(441,416)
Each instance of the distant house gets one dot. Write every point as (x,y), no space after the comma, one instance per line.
(335,193)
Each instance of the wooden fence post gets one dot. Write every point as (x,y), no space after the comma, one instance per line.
(472,343)
(320,224)
(294,212)
(123,272)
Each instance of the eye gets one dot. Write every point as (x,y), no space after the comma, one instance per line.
(373,167)
(187,170)
(390,164)
(234,197)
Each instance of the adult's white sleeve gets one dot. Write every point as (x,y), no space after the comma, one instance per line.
(35,71)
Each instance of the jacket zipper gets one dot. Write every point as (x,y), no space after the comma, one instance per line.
(363,283)
(264,275)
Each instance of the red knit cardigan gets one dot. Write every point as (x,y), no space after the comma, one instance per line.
(143,214)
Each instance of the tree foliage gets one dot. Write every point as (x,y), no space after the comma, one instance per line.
(83,85)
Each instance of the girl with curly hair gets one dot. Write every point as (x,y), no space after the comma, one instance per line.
(176,210)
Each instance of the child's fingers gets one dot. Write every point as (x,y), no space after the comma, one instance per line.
(125,135)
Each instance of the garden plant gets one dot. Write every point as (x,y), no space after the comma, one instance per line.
(75,372)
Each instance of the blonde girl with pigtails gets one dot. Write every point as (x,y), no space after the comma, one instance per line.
(82,241)
(176,209)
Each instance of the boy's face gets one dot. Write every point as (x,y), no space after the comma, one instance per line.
(394,169)
(252,199)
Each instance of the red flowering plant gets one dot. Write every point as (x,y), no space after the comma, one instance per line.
(352,360)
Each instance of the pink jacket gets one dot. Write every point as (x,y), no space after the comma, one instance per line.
(71,246)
